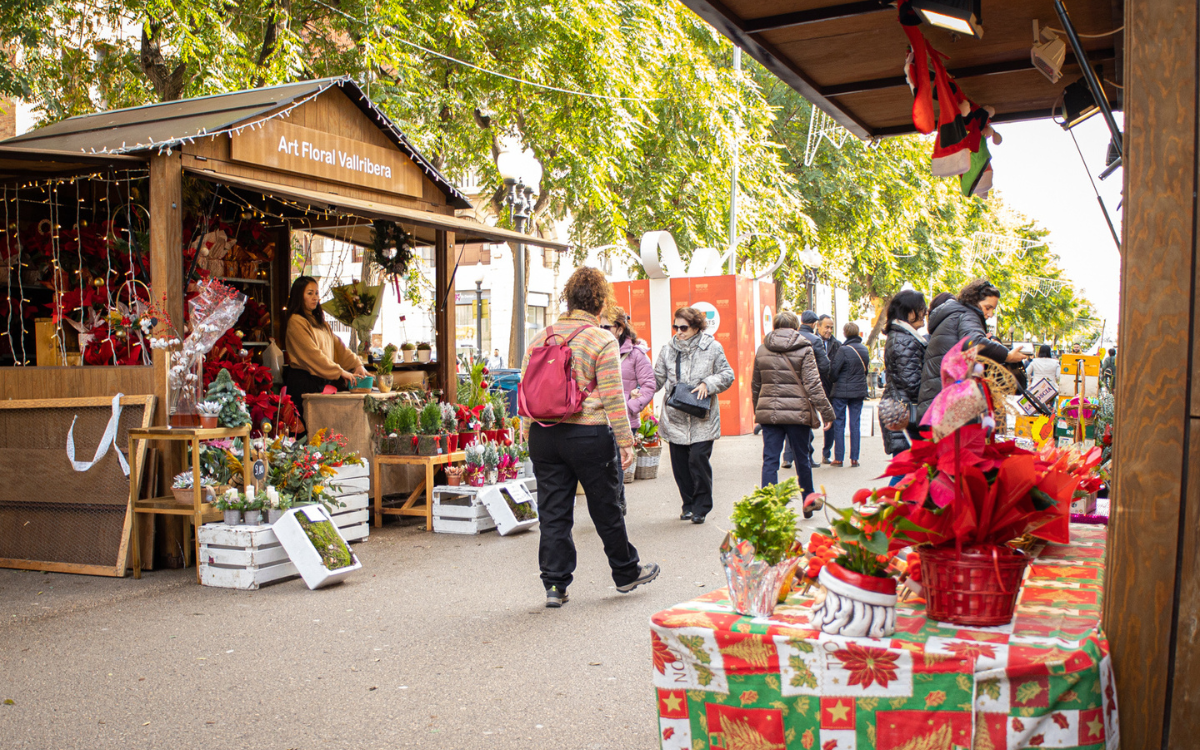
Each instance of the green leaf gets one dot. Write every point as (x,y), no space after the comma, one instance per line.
(877,544)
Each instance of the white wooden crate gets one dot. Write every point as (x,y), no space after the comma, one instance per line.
(354,520)
(457,510)
(242,557)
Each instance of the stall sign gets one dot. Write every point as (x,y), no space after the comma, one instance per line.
(314,153)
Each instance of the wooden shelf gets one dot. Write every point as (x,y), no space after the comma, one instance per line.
(168,506)
(263,282)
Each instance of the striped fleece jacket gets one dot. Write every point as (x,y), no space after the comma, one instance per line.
(594,357)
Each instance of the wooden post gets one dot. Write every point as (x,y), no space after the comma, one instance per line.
(166,280)
(281,281)
(445,318)
(1152,596)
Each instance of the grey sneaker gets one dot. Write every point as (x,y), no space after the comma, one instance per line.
(648,573)
(556,596)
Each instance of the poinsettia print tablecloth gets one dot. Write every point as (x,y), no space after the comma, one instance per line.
(729,682)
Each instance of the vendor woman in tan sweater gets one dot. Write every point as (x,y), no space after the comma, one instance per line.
(317,357)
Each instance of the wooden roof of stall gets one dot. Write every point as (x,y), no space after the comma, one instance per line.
(847,57)
(224,139)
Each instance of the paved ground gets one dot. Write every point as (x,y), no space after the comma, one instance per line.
(441,642)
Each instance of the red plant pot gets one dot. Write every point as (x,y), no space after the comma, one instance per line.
(875,585)
(466,438)
(490,434)
(503,436)
(977,588)
(208,423)
(451,443)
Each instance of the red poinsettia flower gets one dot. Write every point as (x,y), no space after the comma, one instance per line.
(868,665)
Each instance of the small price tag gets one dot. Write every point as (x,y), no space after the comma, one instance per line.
(259,470)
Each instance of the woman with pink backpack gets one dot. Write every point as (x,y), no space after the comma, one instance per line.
(573,410)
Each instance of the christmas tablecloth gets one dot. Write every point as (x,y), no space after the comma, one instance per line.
(1045,680)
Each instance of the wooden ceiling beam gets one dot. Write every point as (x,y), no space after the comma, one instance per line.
(972,71)
(815,15)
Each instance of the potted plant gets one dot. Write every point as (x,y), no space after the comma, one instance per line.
(231,504)
(499,404)
(523,456)
(454,475)
(400,427)
(450,426)
(275,504)
(474,460)
(209,411)
(429,440)
(853,562)
(181,487)
(648,428)
(384,369)
(468,425)
(487,421)
(315,546)
(424,351)
(491,461)
(408,352)
(507,466)
(252,508)
(761,553)
(230,399)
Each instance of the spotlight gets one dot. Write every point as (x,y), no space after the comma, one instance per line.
(1078,104)
(1048,53)
(962,16)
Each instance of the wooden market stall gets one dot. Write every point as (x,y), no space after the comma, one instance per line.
(847,57)
(315,156)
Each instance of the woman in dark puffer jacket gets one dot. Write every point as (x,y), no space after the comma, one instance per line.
(903,357)
(965,317)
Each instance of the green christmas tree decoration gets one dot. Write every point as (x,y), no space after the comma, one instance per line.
(232,399)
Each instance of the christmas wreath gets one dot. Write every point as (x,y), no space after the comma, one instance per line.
(392,248)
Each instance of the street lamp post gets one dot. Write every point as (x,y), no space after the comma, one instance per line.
(522,174)
(479,318)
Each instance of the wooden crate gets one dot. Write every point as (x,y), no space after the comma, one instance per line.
(354,520)
(457,510)
(242,557)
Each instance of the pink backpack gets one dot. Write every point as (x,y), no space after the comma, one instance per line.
(548,391)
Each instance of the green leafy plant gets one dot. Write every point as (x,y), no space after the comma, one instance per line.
(231,501)
(431,419)
(326,540)
(867,531)
(764,519)
(388,360)
(499,401)
(424,346)
(408,346)
(401,419)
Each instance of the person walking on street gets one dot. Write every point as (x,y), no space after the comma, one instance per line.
(788,399)
(1045,367)
(583,448)
(849,375)
(495,362)
(809,319)
(695,358)
(832,345)
(1108,370)
(964,317)
(637,374)
(903,358)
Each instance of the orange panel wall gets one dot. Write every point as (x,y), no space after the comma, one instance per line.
(634,297)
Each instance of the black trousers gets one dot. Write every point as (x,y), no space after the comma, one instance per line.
(692,467)
(562,456)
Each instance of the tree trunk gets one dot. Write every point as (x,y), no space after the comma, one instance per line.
(879,323)
(514,358)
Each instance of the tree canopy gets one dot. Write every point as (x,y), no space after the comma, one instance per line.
(630,106)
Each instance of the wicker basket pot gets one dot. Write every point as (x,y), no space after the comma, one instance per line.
(630,474)
(647,462)
(978,588)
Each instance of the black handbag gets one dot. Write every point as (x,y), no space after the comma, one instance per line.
(682,398)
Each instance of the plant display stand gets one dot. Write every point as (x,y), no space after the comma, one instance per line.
(302,553)
(242,557)
(496,497)
(424,489)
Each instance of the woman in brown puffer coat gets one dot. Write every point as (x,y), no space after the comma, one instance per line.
(789,400)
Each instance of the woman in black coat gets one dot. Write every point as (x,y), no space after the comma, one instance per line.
(849,388)
(903,358)
(965,317)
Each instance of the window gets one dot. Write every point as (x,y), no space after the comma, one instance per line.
(465,321)
(535,320)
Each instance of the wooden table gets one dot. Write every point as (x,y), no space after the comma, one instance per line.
(410,508)
(167,505)
(1045,679)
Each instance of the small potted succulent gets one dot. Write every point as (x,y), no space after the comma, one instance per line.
(429,439)
(450,426)
(181,487)
(474,470)
(231,504)
(424,351)
(384,368)
(454,475)
(408,352)
(209,411)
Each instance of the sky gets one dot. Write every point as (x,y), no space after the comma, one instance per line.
(1038,172)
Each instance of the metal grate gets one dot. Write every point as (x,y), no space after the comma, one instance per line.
(51,516)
